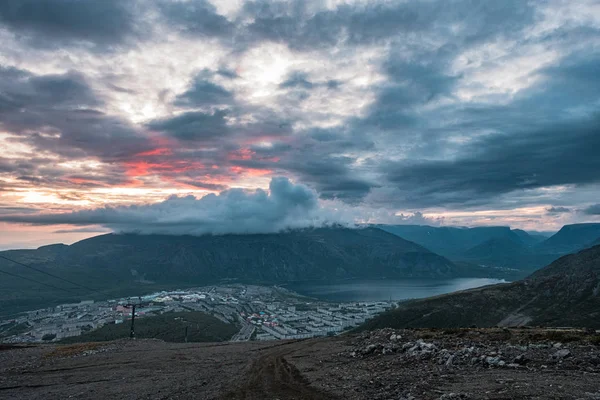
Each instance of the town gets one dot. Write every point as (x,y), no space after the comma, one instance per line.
(262,313)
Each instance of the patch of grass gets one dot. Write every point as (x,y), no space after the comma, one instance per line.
(561,336)
(6,347)
(15,329)
(170,327)
(454,331)
(595,340)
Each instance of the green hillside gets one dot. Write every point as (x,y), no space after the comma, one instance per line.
(169,327)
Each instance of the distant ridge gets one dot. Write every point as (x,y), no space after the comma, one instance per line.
(499,246)
(571,238)
(454,241)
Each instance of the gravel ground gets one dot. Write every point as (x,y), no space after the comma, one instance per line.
(384,364)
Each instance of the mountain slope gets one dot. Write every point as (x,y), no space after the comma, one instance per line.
(499,246)
(455,241)
(449,241)
(565,293)
(506,252)
(297,255)
(570,238)
(529,239)
(124,263)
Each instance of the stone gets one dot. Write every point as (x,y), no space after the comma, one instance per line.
(370,349)
(493,361)
(563,353)
(395,338)
(520,359)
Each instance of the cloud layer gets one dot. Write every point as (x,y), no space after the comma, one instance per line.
(468,112)
(284,206)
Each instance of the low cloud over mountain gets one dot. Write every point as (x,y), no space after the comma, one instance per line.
(285,206)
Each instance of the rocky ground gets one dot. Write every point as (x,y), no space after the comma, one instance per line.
(383,364)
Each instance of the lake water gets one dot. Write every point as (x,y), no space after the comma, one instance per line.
(395,289)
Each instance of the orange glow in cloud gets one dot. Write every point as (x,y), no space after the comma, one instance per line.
(144,168)
(162,146)
(161,151)
(241,154)
(81,181)
(247,154)
(250,171)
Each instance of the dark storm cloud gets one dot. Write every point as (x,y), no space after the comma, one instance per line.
(332,176)
(300,80)
(21,90)
(285,206)
(292,23)
(203,92)
(196,18)
(56,23)
(410,85)
(194,125)
(558,210)
(297,80)
(57,113)
(556,155)
(592,210)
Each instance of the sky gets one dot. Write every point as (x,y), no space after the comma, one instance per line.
(194,116)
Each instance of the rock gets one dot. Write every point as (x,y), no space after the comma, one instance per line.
(454,396)
(395,338)
(369,349)
(493,361)
(520,359)
(450,361)
(560,354)
(407,346)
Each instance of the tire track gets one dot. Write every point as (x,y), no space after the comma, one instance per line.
(273,377)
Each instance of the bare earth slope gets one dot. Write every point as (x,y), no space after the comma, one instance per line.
(384,364)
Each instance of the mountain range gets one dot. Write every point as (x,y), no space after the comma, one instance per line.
(122,263)
(499,246)
(564,293)
(114,265)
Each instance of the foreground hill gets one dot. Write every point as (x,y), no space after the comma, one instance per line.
(384,364)
(565,293)
(121,263)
